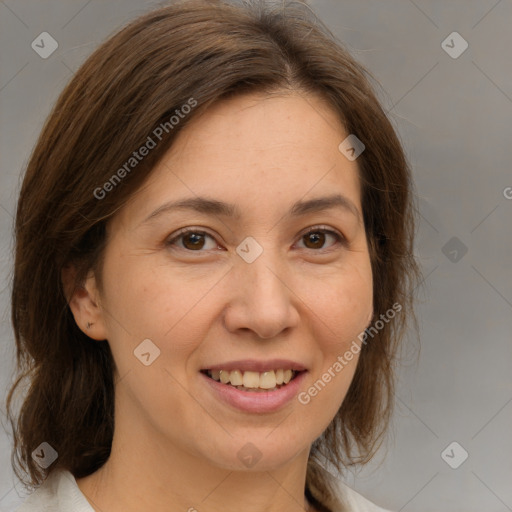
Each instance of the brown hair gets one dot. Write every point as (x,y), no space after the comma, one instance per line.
(206,50)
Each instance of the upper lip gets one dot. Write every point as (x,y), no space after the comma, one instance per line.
(253,365)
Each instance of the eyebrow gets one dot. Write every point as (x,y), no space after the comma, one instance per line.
(214,207)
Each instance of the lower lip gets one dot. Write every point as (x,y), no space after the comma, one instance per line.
(256,401)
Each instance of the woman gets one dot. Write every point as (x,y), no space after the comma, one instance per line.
(213,270)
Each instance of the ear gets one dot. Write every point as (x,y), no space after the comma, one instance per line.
(84,303)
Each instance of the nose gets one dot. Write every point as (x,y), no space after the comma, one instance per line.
(262,298)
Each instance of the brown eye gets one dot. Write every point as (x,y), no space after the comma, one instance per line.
(192,240)
(316,238)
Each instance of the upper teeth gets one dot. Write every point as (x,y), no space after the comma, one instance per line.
(264,380)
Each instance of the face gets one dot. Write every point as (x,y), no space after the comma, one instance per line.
(279,283)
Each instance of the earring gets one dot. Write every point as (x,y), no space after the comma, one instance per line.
(89,325)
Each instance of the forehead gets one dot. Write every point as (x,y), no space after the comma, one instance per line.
(262,123)
(255,150)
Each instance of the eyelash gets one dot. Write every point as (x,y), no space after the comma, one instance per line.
(315,229)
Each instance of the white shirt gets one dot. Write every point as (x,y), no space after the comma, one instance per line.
(60,493)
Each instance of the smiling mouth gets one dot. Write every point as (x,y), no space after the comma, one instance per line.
(253,381)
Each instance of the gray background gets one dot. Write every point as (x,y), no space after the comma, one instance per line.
(454,117)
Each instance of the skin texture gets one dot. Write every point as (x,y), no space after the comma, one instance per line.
(175,444)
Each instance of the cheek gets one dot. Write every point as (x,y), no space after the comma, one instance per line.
(150,299)
(147,302)
(342,312)
(343,305)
